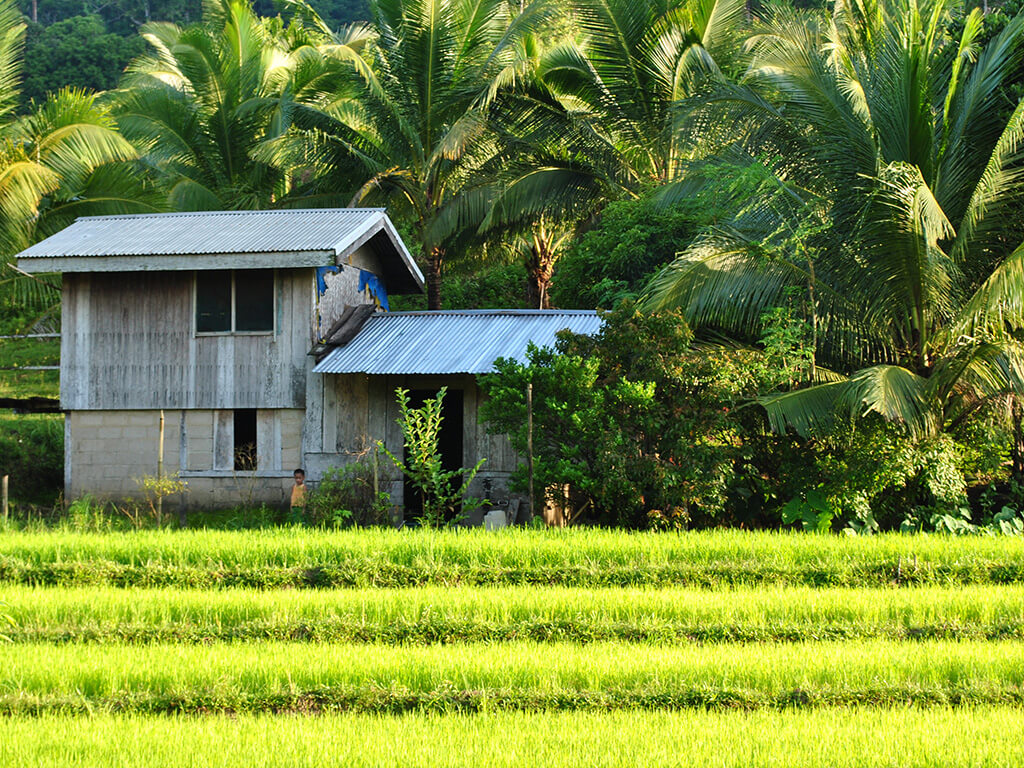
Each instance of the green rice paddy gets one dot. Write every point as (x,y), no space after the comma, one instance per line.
(839,738)
(561,648)
(585,558)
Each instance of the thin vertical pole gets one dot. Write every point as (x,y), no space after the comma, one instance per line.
(529,442)
(4,501)
(160,469)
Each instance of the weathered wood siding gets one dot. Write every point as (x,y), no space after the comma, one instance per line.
(129,342)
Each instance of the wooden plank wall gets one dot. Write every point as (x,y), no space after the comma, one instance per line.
(128,343)
(360,410)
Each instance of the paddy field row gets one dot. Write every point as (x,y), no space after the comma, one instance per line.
(584,558)
(303,677)
(840,738)
(430,615)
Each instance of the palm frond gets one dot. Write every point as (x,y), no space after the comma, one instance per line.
(892,392)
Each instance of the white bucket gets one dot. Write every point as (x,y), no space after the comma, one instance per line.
(495,519)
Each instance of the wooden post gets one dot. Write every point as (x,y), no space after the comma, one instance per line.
(4,501)
(529,443)
(376,473)
(160,469)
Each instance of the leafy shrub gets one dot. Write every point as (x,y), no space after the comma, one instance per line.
(874,476)
(149,511)
(350,495)
(635,419)
(445,500)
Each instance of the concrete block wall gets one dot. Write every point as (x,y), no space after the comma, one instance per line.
(107,453)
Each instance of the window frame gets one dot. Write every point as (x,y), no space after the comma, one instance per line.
(232,332)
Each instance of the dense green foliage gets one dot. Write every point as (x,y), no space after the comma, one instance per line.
(89,44)
(77,52)
(634,419)
(891,167)
(616,258)
(31,453)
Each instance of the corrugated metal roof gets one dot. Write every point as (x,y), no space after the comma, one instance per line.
(207,232)
(457,341)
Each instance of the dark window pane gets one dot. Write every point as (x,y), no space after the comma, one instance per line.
(213,301)
(245,439)
(254,300)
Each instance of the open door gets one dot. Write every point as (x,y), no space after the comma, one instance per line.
(450,441)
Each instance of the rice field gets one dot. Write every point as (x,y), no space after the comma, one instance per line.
(585,558)
(567,648)
(255,677)
(838,738)
(436,615)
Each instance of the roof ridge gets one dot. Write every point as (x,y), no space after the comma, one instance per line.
(483,312)
(187,214)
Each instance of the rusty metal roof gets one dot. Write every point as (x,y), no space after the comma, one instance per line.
(455,341)
(207,232)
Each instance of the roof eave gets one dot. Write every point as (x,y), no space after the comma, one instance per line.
(176,262)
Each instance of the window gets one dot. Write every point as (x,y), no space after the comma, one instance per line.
(240,301)
(245,440)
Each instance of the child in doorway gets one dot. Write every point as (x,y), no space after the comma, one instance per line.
(298,505)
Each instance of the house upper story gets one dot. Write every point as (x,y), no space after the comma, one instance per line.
(211,309)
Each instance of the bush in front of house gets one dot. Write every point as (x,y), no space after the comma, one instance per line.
(350,495)
(635,420)
(650,430)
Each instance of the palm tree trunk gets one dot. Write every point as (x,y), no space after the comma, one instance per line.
(814,320)
(435,262)
(1017,449)
(539,269)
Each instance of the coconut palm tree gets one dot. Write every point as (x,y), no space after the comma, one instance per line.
(593,116)
(892,176)
(398,115)
(601,108)
(206,97)
(63,159)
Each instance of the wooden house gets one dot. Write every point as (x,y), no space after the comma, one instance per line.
(263,337)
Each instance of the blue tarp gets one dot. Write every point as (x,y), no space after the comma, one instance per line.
(321,278)
(377,290)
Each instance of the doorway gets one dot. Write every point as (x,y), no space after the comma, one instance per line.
(449,441)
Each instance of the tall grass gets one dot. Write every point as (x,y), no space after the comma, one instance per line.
(909,738)
(591,557)
(474,614)
(283,676)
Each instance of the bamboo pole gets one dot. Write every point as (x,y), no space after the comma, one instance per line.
(160,469)
(529,442)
